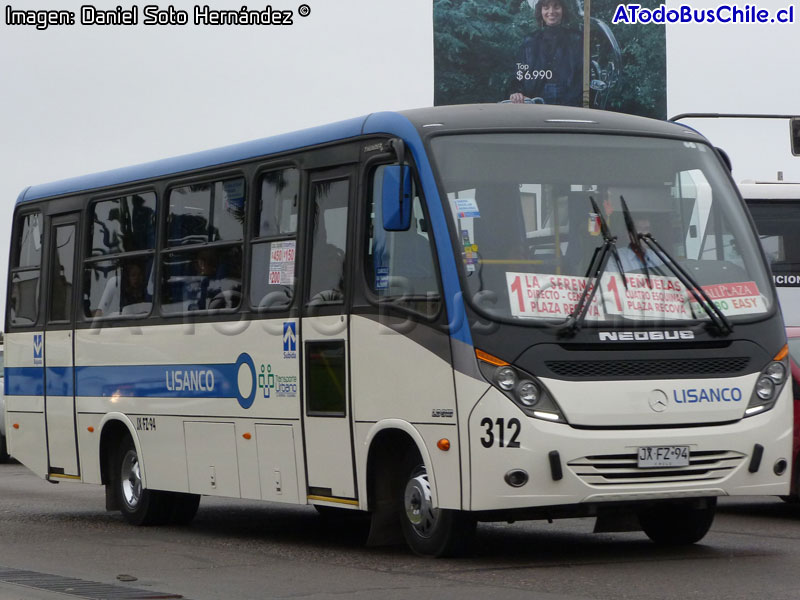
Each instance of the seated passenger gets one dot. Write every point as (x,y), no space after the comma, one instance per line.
(215,290)
(132,299)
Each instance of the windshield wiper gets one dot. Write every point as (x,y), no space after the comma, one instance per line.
(717,317)
(597,266)
(636,243)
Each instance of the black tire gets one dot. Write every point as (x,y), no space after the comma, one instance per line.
(139,506)
(675,524)
(431,531)
(3,450)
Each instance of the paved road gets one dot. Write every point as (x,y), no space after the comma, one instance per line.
(60,535)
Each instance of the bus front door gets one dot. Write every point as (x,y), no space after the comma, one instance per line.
(327,410)
(59,345)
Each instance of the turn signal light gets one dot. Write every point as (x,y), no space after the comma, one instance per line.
(91,429)
(488,358)
(246,436)
(16,425)
(443,444)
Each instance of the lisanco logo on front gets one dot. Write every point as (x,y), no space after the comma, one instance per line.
(645,336)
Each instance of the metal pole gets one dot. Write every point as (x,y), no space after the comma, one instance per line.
(587,57)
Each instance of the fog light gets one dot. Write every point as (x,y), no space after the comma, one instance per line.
(516,478)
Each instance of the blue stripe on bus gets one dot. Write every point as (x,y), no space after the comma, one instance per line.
(60,381)
(159,381)
(396,124)
(24,381)
(140,381)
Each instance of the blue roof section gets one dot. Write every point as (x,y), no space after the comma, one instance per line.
(198,160)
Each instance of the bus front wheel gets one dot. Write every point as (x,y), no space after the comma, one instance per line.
(431,531)
(678,524)
(139,506)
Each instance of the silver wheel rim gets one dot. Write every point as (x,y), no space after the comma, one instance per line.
(419,504)
(131,479)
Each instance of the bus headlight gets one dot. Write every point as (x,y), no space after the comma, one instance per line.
(527,393)
(506,378)
(522,388)
(768,387)
(765,388)
(776,372)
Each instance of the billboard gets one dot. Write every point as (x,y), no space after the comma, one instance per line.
(508,50)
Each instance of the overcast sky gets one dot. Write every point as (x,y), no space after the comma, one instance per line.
(83,99)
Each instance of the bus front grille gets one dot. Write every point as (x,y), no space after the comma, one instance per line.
(675,367)
(621,469)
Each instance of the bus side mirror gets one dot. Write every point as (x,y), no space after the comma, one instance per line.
(396,198)
(725,158)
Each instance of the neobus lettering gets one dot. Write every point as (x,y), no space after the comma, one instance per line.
(190,381)
(640,336)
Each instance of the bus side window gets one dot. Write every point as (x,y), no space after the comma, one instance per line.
(399,265)
(23,302)
(272,268)
(118,270)
(202,267)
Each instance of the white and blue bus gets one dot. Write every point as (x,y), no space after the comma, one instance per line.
(438,316)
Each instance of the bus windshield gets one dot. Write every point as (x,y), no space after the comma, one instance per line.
(530,211)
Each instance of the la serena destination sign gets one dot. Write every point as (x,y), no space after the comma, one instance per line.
(636,297)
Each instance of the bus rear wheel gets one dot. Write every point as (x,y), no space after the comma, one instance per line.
(431,531)
(677,524)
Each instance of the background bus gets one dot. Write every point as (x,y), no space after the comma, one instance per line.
(775,208)
(424,315)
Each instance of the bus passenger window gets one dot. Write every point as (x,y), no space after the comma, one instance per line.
(399,264)
(118,273)
(329,242)
(23,302)
(272,268)
(62,277)
(197,276)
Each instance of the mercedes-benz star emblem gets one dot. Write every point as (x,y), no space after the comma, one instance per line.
(658,401)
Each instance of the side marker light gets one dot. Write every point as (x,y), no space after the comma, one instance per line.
(443,444)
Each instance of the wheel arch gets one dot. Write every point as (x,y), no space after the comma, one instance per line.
(113,427)
(383,441)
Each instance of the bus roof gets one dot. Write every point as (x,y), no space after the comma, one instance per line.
(411,125)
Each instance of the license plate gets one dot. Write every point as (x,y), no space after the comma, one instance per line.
(663,456)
